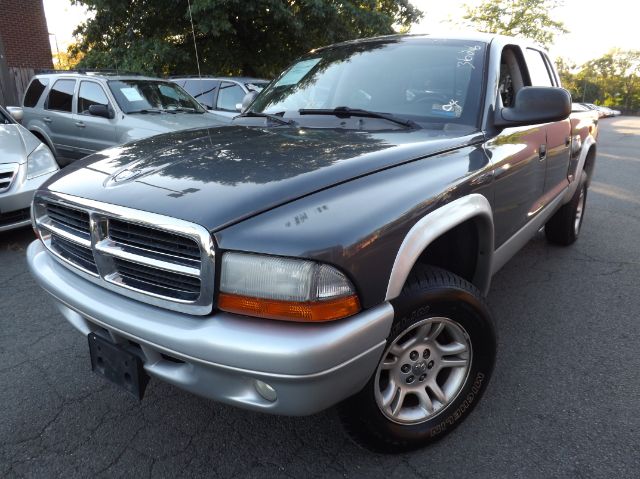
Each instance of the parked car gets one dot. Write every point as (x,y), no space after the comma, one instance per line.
(335,244)
(221,95)
(79,113)
(603,111)
(608,112)
(25,163)
(580,107)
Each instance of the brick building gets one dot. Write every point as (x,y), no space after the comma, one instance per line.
(24,46)
(24,34)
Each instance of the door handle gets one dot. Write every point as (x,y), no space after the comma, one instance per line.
(46,119)
(80,124)
(542,152)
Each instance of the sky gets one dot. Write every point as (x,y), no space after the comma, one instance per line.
(595,26)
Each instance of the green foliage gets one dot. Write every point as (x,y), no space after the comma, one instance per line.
(249,37)
(520,18)
(611,80)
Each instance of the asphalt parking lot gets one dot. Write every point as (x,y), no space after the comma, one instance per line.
(563,401)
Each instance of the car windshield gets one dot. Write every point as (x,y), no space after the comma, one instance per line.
(256,86)
(149,95)
(419,79)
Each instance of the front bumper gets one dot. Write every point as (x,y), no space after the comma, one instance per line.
(221,356)
(16,201)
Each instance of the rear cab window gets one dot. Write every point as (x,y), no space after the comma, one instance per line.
(34,92)
(61,96)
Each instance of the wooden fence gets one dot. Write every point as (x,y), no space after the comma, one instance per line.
(13,83)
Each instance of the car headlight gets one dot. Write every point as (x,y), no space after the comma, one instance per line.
(40,162)
(284,288)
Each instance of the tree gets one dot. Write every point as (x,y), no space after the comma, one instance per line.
(617,76)
(67,60)
(521,18)
(610,80)
(257,37)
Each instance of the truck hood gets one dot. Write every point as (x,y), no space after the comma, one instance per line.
(217,177)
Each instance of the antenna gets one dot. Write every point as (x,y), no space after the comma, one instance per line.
(193,33)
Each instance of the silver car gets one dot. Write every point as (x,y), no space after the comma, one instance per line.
(79,113)
(222,96)
(25,163)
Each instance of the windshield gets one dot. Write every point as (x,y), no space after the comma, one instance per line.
(143,95)
(256,86)
(421,79)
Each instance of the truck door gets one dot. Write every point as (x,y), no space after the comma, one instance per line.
(517,155)
(558,133)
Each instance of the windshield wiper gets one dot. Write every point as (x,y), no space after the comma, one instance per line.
(346,112)
(146,110)
(182,109)
(269,116)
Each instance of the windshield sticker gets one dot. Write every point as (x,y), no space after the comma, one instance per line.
(297,72)
(447,110)
(468,54)
(132,94)
(451,106)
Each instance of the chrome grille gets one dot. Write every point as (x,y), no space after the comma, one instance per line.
(78,255)
(75,222)
(7,173)
(160,282)
(170,245)
(149,257)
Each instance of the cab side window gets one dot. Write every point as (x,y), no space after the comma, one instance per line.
(61,96)
(538,71)
(511,80)
(90,94)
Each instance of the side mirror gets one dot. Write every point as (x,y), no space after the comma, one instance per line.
(101,110)
(239,107)
(247,100)
(16,112)
(535,105)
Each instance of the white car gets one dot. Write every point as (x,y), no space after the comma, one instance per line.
(25,163)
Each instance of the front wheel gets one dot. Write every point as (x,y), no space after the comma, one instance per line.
(564,226)
(436,364)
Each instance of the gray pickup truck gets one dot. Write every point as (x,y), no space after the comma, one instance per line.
(334,244)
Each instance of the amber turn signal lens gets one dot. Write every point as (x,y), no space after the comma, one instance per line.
(315,311)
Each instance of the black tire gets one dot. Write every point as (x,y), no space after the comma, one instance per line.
(561,229)
(429,293)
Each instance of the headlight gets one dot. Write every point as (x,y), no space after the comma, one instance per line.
(40,162)
(284,288)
